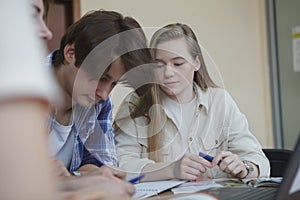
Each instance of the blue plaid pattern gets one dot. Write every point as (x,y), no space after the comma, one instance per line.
(95,141)
(94,135)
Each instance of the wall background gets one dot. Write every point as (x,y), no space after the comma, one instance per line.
(288,16)
(234,34)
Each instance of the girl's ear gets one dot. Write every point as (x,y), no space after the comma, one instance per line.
(69,54)
(197,64)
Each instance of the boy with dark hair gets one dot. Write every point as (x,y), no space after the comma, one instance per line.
(94,54)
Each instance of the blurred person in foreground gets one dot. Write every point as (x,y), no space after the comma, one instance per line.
(27,91)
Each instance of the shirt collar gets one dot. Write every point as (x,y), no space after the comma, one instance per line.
(49,59)
(202,97)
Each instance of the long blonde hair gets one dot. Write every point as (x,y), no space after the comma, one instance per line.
(151,96)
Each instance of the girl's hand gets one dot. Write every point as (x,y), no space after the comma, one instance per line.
(190,167)
(230,164)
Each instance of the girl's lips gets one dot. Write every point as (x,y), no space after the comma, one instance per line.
(171,83)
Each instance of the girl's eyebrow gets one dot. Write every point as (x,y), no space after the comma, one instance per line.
(175,58)
(159,60)
(178,58)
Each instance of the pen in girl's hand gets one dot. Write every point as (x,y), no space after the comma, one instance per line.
(208,157)
(136,179)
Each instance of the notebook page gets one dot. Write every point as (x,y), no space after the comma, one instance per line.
(192,187)
(202,196)
(147,189)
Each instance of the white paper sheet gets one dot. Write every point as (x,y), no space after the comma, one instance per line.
(192,187)
(147,189)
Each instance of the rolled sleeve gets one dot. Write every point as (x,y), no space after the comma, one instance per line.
(129,153)
(243,143)
(131,142)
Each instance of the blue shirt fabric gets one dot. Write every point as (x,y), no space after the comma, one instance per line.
(94,136)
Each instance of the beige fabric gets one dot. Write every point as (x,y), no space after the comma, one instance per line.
(218,125)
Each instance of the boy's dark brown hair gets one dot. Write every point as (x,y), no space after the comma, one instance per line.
(118,36)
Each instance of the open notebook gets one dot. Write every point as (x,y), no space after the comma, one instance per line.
(147,189)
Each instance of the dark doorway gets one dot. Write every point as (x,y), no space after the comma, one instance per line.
(62,13)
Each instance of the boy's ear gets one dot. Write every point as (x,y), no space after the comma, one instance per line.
(69,54)
(197,63)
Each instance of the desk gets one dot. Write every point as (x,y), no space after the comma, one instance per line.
(185,188)
(230,188)
(167,195)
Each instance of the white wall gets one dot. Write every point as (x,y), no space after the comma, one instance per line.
(234,34)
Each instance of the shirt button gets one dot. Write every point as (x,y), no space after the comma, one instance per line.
(191,139)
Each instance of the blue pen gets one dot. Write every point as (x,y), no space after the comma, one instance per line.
(208,157)
(136,179)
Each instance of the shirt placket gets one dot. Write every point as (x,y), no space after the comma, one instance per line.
(192,145)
